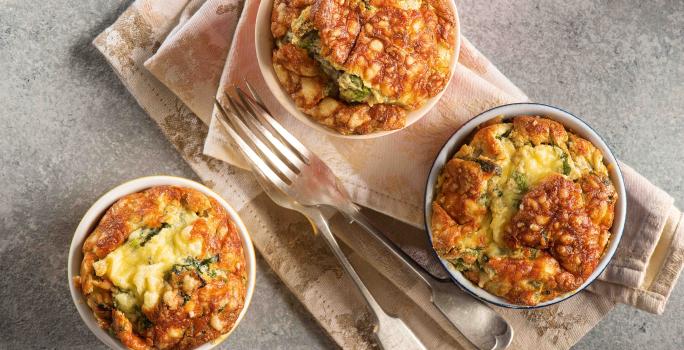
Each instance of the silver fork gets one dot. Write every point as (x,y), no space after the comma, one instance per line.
(391,332)
(296,178)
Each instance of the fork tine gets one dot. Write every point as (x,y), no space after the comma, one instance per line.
(258,165)
(276,163)
(252,91)
(283,134)
(280,148)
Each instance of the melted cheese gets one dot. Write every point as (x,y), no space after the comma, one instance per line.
(510,167)
(538,162)
(526,165)
(409,4)
(138,269)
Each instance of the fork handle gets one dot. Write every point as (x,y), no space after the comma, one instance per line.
(477,322)
(391,333)
(355,214)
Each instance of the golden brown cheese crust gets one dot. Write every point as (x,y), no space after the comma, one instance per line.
(556,217)
(338,23)
(404,53)
(553,217)
(192,302)
(400,49)
(538,131)
(462,188)
(284,13)
(300,76)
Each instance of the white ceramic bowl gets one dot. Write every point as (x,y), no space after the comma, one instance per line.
(264,50)
(571,123)
(92,218)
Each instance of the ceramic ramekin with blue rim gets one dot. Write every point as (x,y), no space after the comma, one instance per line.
(571,123)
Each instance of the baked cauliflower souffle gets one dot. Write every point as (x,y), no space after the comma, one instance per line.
(358,66)
(524,210)
(164,269)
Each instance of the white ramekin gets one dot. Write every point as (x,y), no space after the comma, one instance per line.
(572,123)
(92,218)
(264,51)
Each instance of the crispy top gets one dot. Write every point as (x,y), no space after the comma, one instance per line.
(164,268)
(524,209)
(392,54)
(404,49)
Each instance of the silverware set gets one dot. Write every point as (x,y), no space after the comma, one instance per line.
(295,178)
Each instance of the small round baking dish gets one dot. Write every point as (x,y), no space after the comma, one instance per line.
(264,51)
(91,219)
(571,123)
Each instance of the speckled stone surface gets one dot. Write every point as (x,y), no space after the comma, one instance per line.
(69,131)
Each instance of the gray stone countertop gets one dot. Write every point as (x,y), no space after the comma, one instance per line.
(69,130)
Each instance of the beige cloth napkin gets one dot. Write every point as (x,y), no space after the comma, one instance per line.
(189,62)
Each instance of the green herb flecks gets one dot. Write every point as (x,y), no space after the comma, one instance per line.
(146,234)
(310,42)
(200,267)
(482,261)
(460,265)
(505,134)
(352,88)
(366,4)
(186,298)
(142,322)
(469,260)
(348,87)
(484,200)
(145,323)
(520,180)
(566,164)
(488,166)
(533,253)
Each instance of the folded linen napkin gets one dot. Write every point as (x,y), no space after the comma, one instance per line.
(198,45)
(388,174)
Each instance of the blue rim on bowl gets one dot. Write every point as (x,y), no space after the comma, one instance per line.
(572,123)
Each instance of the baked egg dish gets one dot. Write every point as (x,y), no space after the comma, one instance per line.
(358,66)
(524,209)
(164,269)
